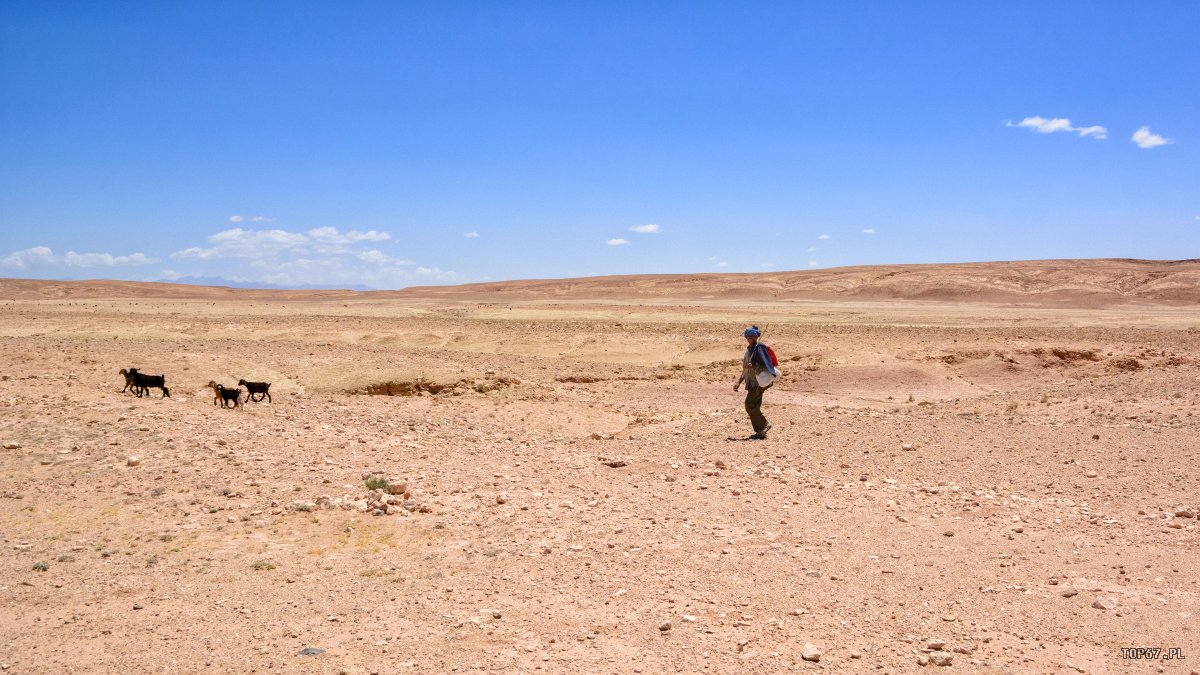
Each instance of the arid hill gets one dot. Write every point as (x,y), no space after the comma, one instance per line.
(1066,282)
(1082,283)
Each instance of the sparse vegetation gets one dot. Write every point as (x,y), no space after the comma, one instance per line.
(379,483)
(263,565)
(41,566)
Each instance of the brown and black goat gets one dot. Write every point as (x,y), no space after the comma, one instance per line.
(225,395)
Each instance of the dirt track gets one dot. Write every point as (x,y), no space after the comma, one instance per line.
(1050,450)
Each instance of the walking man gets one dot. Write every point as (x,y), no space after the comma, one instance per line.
(759,373)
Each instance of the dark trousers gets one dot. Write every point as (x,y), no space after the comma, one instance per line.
(754,408)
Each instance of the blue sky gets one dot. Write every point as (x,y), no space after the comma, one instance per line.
(392,144)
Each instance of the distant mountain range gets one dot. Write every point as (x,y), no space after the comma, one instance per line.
(1078,283)
(260,285)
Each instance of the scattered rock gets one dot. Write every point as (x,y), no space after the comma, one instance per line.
(1091,474)
(310,651)
(133,460)
(1185,512)
(908,447)
(940,658)
(811,653)
(1068,592)
(664,626)
(12,446)
(616,463)
(502,498)
(1104,603)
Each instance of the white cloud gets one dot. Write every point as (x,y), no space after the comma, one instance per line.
(236,219)
(262,219)
(471,235)
(38,255)
(331,235)
(256,244)
(322,256)
(169,275)
(435,274)
(869,230)
(374,256)
(811,249)
(813,263)
(1147,140)
(617,242)
(73,259)
(823,237)
(644,229)
(722,264)
(195,253)
(377,257)
(1042,125)
(42,255)
(239,243)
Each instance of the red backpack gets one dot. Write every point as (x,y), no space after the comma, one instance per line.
(774,359)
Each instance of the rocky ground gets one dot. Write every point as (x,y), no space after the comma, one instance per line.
(981,488)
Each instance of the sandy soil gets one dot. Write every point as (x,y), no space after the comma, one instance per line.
(1003,487)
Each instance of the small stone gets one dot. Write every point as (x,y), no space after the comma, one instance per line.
(688,618)
(940,658)
(501,498)
(1068,592)
(1185,512)
(948,533)
(810,653)
(1091,474)
(133,460)
(138,607)
(664,626)
(950,618)
(1104,603)
(12,446)
(935,645)
(720,464)
(310,651)
(908,447)
(922,660)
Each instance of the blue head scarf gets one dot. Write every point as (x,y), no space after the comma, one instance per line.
(752,331)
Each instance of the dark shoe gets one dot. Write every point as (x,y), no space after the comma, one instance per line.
(760,436)
(765,430)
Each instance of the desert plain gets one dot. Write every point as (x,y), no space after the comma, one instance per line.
(977,476)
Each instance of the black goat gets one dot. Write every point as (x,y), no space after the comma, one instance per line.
(260,389)
(224,395)
(142,383)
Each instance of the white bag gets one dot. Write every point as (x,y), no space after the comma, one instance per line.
(765,378)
